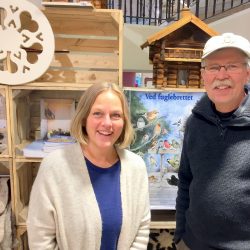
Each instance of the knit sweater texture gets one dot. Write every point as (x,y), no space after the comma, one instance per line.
(213,203)
(63,211)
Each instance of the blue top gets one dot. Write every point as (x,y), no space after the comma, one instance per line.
(106,185)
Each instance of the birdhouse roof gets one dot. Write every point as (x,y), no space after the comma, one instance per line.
(186,19)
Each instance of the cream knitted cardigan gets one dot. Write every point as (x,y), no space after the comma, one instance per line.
(63,211)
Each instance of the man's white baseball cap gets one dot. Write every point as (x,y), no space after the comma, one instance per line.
(226,40)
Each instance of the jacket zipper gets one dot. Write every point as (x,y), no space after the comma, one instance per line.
(222,129)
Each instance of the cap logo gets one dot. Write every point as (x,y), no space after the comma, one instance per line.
(228,39)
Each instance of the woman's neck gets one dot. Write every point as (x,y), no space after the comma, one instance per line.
(101,158)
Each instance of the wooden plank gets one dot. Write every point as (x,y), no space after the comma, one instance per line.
(182,59)
(85,61)
(37,95)
(23,214)
(7,103)
(23,181)
(16,197)
(85,14)
(119,21)
(77,76)
(86,45)
(162,225)
(22,238)
(39,85)
(77,26)
(24,159)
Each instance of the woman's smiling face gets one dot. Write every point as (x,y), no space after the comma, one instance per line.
(105,121)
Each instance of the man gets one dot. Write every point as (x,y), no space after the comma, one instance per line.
(213,203)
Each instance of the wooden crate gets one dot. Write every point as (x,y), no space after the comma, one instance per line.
(88,46)
(88,50)
(25,112)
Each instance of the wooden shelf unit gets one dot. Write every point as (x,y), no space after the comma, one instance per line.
(88,50)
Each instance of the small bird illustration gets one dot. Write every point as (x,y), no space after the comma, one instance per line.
(164,131)
(141,122)
(160,144)
(178,123)
(152,162)
(157,130)
(173,180)
(152,179)
(166,144)
(174,163)
(153,145)
(150,115)
(144,138)
(175,144)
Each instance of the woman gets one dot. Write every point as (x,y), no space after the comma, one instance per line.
(94,194)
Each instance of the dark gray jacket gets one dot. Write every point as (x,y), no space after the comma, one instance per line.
(213,203)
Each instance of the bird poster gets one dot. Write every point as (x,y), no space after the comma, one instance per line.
(158,118)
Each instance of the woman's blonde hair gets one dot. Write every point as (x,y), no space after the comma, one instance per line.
(78,123)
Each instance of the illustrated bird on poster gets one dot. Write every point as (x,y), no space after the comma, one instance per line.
(150,116)
(177,123)
(145,138)
(175,144)
(157,130)
(174,163)
(173,180)
(167,144)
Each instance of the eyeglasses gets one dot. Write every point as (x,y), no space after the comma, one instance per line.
(230,68)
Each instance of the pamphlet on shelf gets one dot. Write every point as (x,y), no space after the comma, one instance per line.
(34,149)
(56,142)
(40,148)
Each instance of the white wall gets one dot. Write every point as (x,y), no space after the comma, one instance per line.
(237,23)
(134,58)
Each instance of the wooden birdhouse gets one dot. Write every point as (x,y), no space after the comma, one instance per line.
(176,51)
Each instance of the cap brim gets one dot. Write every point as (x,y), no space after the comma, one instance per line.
(225,47)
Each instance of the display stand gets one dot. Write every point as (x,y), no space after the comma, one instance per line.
(88,50)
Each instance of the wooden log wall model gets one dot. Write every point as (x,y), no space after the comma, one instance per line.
(176,51)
